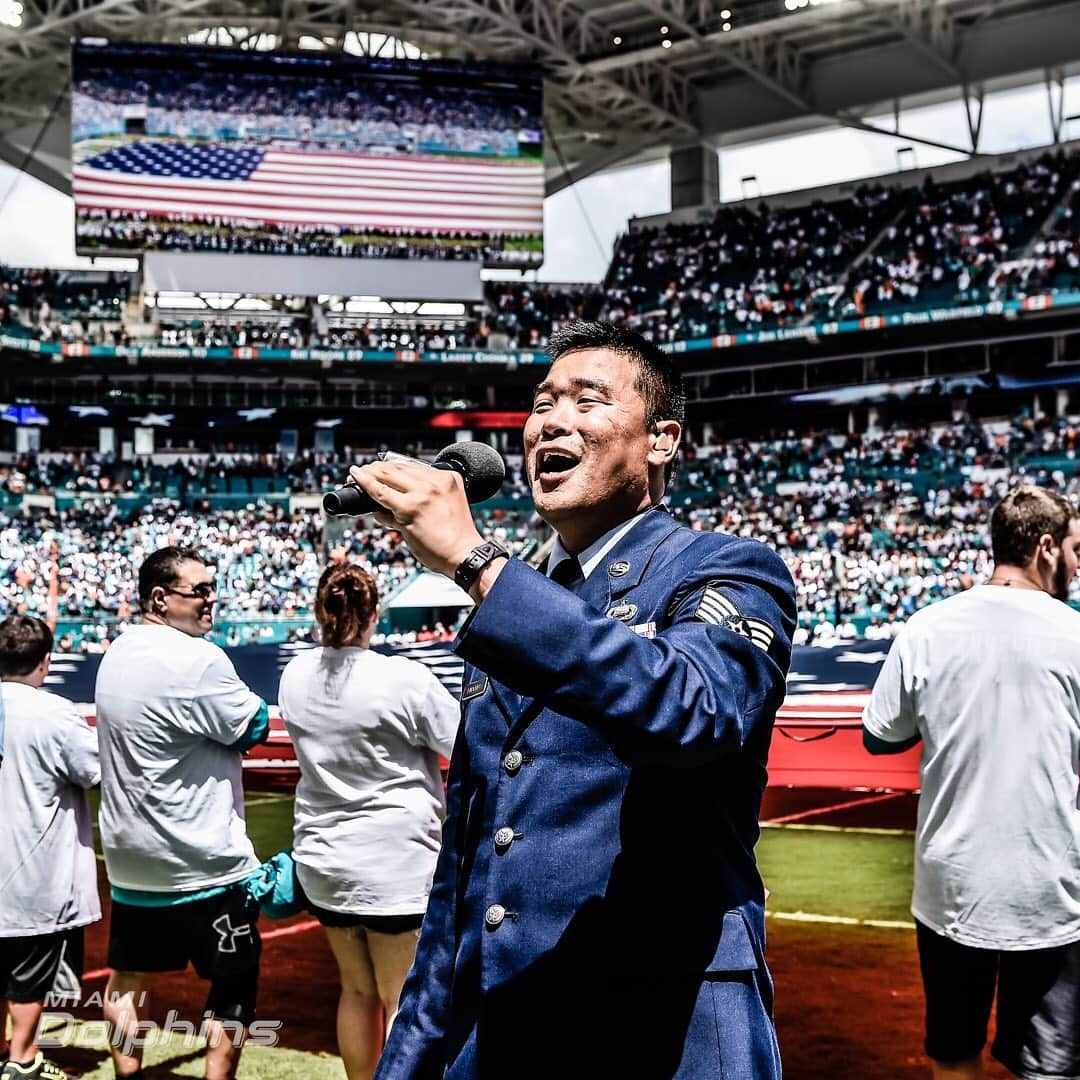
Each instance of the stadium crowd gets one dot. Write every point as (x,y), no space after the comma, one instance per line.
(46,300)
(995,236)
(949,244)
(872,526)
(744,269)
(183,476)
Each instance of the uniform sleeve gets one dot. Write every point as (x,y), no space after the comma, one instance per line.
(222,707)
(415,1049)
(890,716)
(434,714)
(79,753)
(702,688)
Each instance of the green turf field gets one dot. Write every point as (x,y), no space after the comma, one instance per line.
(843,873)
(840,875)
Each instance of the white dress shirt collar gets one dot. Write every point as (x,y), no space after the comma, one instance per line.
(591,556)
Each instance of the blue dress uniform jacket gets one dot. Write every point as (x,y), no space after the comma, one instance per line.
(597,910)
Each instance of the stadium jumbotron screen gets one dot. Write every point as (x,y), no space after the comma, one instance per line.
(187,148)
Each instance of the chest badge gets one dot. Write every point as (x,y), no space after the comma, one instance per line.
(623,612)
(473,690)
(617,569)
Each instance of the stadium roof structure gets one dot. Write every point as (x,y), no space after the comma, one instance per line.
(626,80)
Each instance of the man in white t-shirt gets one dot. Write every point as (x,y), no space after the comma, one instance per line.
(989,681)
(174,721)
(48,873)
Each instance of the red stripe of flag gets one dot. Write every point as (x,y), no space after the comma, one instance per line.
(292,187)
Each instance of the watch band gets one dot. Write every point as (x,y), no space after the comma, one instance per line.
(476,560)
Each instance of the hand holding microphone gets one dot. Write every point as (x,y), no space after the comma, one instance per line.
(428,505)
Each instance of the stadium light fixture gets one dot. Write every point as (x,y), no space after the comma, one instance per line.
(664,29)
(725,14)
(11,13)
(726,27)
(616,40)
(666,43)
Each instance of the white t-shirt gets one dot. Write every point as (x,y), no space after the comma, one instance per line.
(368,730)
(991,681)
(48,873)
(169,706)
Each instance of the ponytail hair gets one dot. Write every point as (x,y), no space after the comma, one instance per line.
(345,603)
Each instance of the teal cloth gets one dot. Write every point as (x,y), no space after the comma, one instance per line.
(275,888)
(142,898)
(257,731)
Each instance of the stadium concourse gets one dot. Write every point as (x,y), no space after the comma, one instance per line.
(1002,234)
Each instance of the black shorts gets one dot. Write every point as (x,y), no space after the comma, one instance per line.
(33,967)
(1038,1003)
(219,936)
(378,924)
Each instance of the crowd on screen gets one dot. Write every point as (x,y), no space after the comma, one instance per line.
(111,230)
(274,109)
(872,526)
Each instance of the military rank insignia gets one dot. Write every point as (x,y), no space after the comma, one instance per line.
(716,608)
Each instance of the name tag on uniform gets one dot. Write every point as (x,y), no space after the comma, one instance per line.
(473,690)
(645,629)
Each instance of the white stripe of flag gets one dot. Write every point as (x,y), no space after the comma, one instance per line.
(337,190)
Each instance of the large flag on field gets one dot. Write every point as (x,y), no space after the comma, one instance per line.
(315,188)
(824,683)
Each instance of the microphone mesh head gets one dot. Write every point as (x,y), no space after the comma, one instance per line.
(481,466)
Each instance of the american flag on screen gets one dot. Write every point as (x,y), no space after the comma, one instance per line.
(314,187)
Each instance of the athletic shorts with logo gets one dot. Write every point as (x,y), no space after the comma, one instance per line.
(218,935)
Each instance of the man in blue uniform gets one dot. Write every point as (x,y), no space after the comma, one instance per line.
(597,909)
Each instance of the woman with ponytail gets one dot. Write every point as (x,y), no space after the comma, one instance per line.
(368,731)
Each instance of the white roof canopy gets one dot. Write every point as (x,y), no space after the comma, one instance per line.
(429,590)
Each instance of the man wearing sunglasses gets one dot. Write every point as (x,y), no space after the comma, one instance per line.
(174,721)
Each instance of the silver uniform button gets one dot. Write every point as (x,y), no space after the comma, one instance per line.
(494,914)
(504,837)
(512,761)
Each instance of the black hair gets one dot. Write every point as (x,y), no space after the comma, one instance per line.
(659,381)
(162,569)
(24,642)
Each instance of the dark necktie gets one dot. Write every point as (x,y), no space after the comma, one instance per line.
(568,574)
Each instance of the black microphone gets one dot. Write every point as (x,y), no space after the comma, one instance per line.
(478,464)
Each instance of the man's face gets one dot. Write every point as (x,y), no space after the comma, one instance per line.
(188,603)
(587,441)
(1067,561)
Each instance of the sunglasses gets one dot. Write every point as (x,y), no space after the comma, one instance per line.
(202,591)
